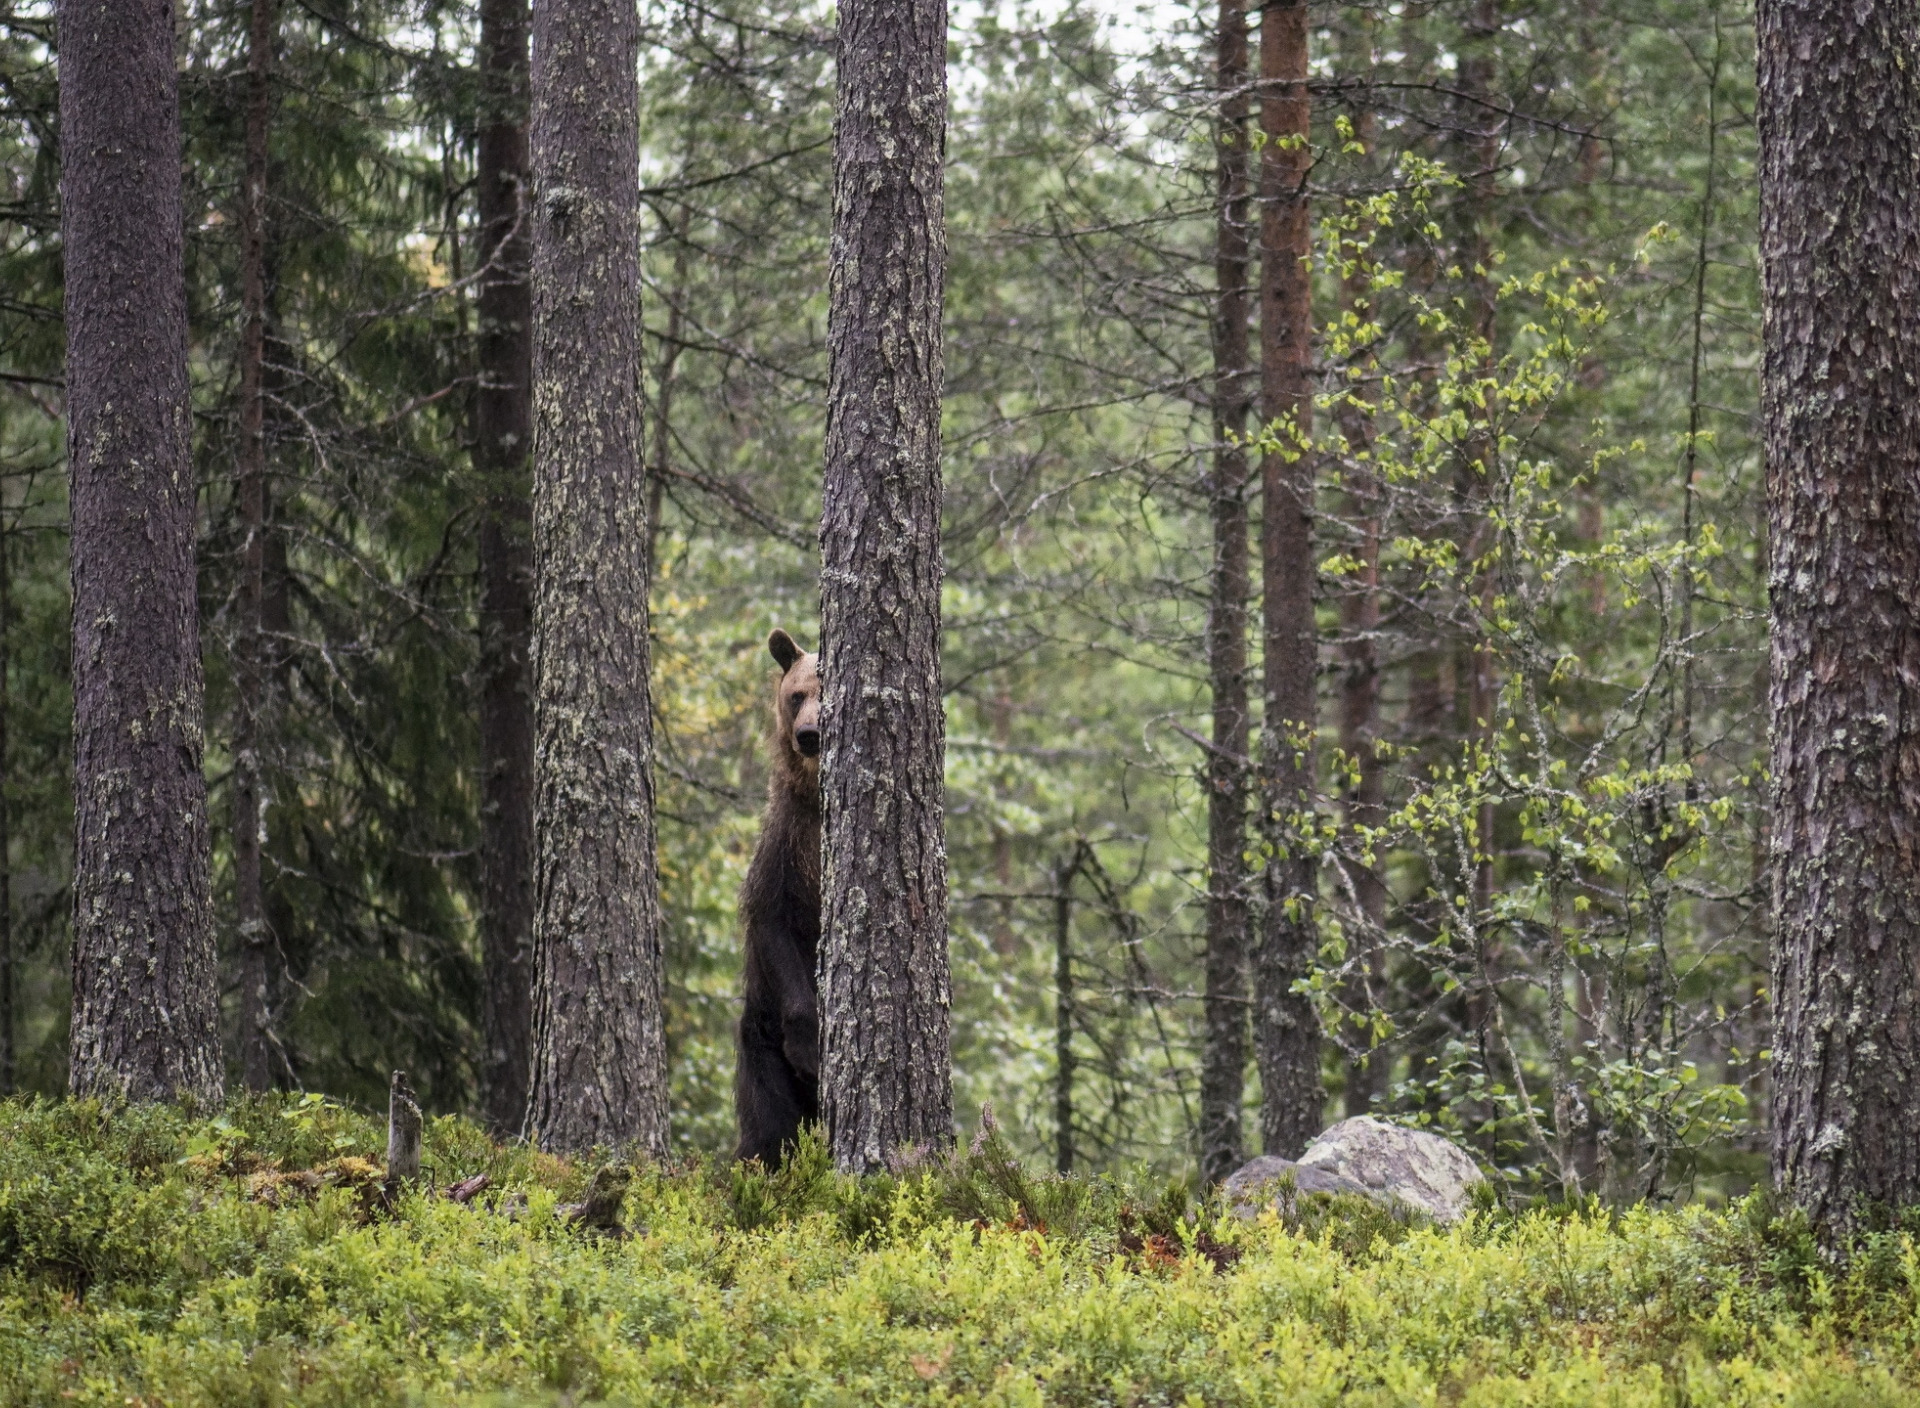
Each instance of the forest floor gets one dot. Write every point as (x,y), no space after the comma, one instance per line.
(149,1258)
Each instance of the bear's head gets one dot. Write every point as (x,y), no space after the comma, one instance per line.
(796,710)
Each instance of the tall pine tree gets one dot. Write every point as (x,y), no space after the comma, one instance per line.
(599,1059)
(1286,1030)
(144,981)
(885,986)
(1840,241)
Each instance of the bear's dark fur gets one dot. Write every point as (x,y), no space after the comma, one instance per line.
(777,1084)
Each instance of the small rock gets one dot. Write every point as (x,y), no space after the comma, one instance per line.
(1390,1163)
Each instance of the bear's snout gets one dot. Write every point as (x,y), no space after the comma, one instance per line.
(807,740)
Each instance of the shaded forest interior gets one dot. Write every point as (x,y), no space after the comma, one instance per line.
(1517,821)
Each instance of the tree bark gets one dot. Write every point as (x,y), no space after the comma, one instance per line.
(1286,1030)
(252,676)
(885,990)
(1223,1061)
(1840,247)
(1360,730)
(503,443)
(599,1059)
(145,1020)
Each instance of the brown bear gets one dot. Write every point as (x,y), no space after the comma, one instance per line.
(777,1081)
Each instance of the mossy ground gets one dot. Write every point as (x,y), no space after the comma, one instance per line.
(150,1258)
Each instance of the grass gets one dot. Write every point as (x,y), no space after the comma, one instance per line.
(148,1258)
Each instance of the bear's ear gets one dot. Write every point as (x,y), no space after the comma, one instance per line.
(780,645)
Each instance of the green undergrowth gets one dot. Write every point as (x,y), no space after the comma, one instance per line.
(149,1258)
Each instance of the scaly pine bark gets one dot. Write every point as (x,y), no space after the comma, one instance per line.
(599,1058)
(145,1025)
(1840,244)
(885,987)
(1286,1029)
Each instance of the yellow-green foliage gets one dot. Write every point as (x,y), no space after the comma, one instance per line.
(143,1260)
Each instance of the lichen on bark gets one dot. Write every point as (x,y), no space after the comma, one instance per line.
(1840,248)
(885,988)
(599,1060)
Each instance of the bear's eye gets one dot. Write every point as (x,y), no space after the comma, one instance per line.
(798,700)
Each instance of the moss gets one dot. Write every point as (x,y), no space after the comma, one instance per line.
(141,1261)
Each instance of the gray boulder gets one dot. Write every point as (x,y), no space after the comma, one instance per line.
(1254,1183)
(1393,1166)
(1428,1173)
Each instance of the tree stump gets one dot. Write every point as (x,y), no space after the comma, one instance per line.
(403,1136)
(600,1211)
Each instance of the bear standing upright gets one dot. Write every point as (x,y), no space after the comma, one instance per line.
(777,1081)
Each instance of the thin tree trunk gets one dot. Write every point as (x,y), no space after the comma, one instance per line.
(1223,1061)
(145,1020)
(669,366)
(1063,1013)
(884,986)
(503,443)
(9,1072)
(1430,722)
(1286,1029)
(1683,584)
(1483,123)
(1360,627)
(1840,248)
(252,678)
(1004,940)
(1479,138)
(599,1052)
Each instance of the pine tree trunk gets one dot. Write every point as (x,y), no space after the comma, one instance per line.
(1840,246)
(251,675)
(1360,730)
(884,987)
(145,1023)
(1286,1029)
(503,443)
(1223,1061)
(599,1054)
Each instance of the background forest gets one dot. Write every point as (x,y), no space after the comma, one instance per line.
(1540,803)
